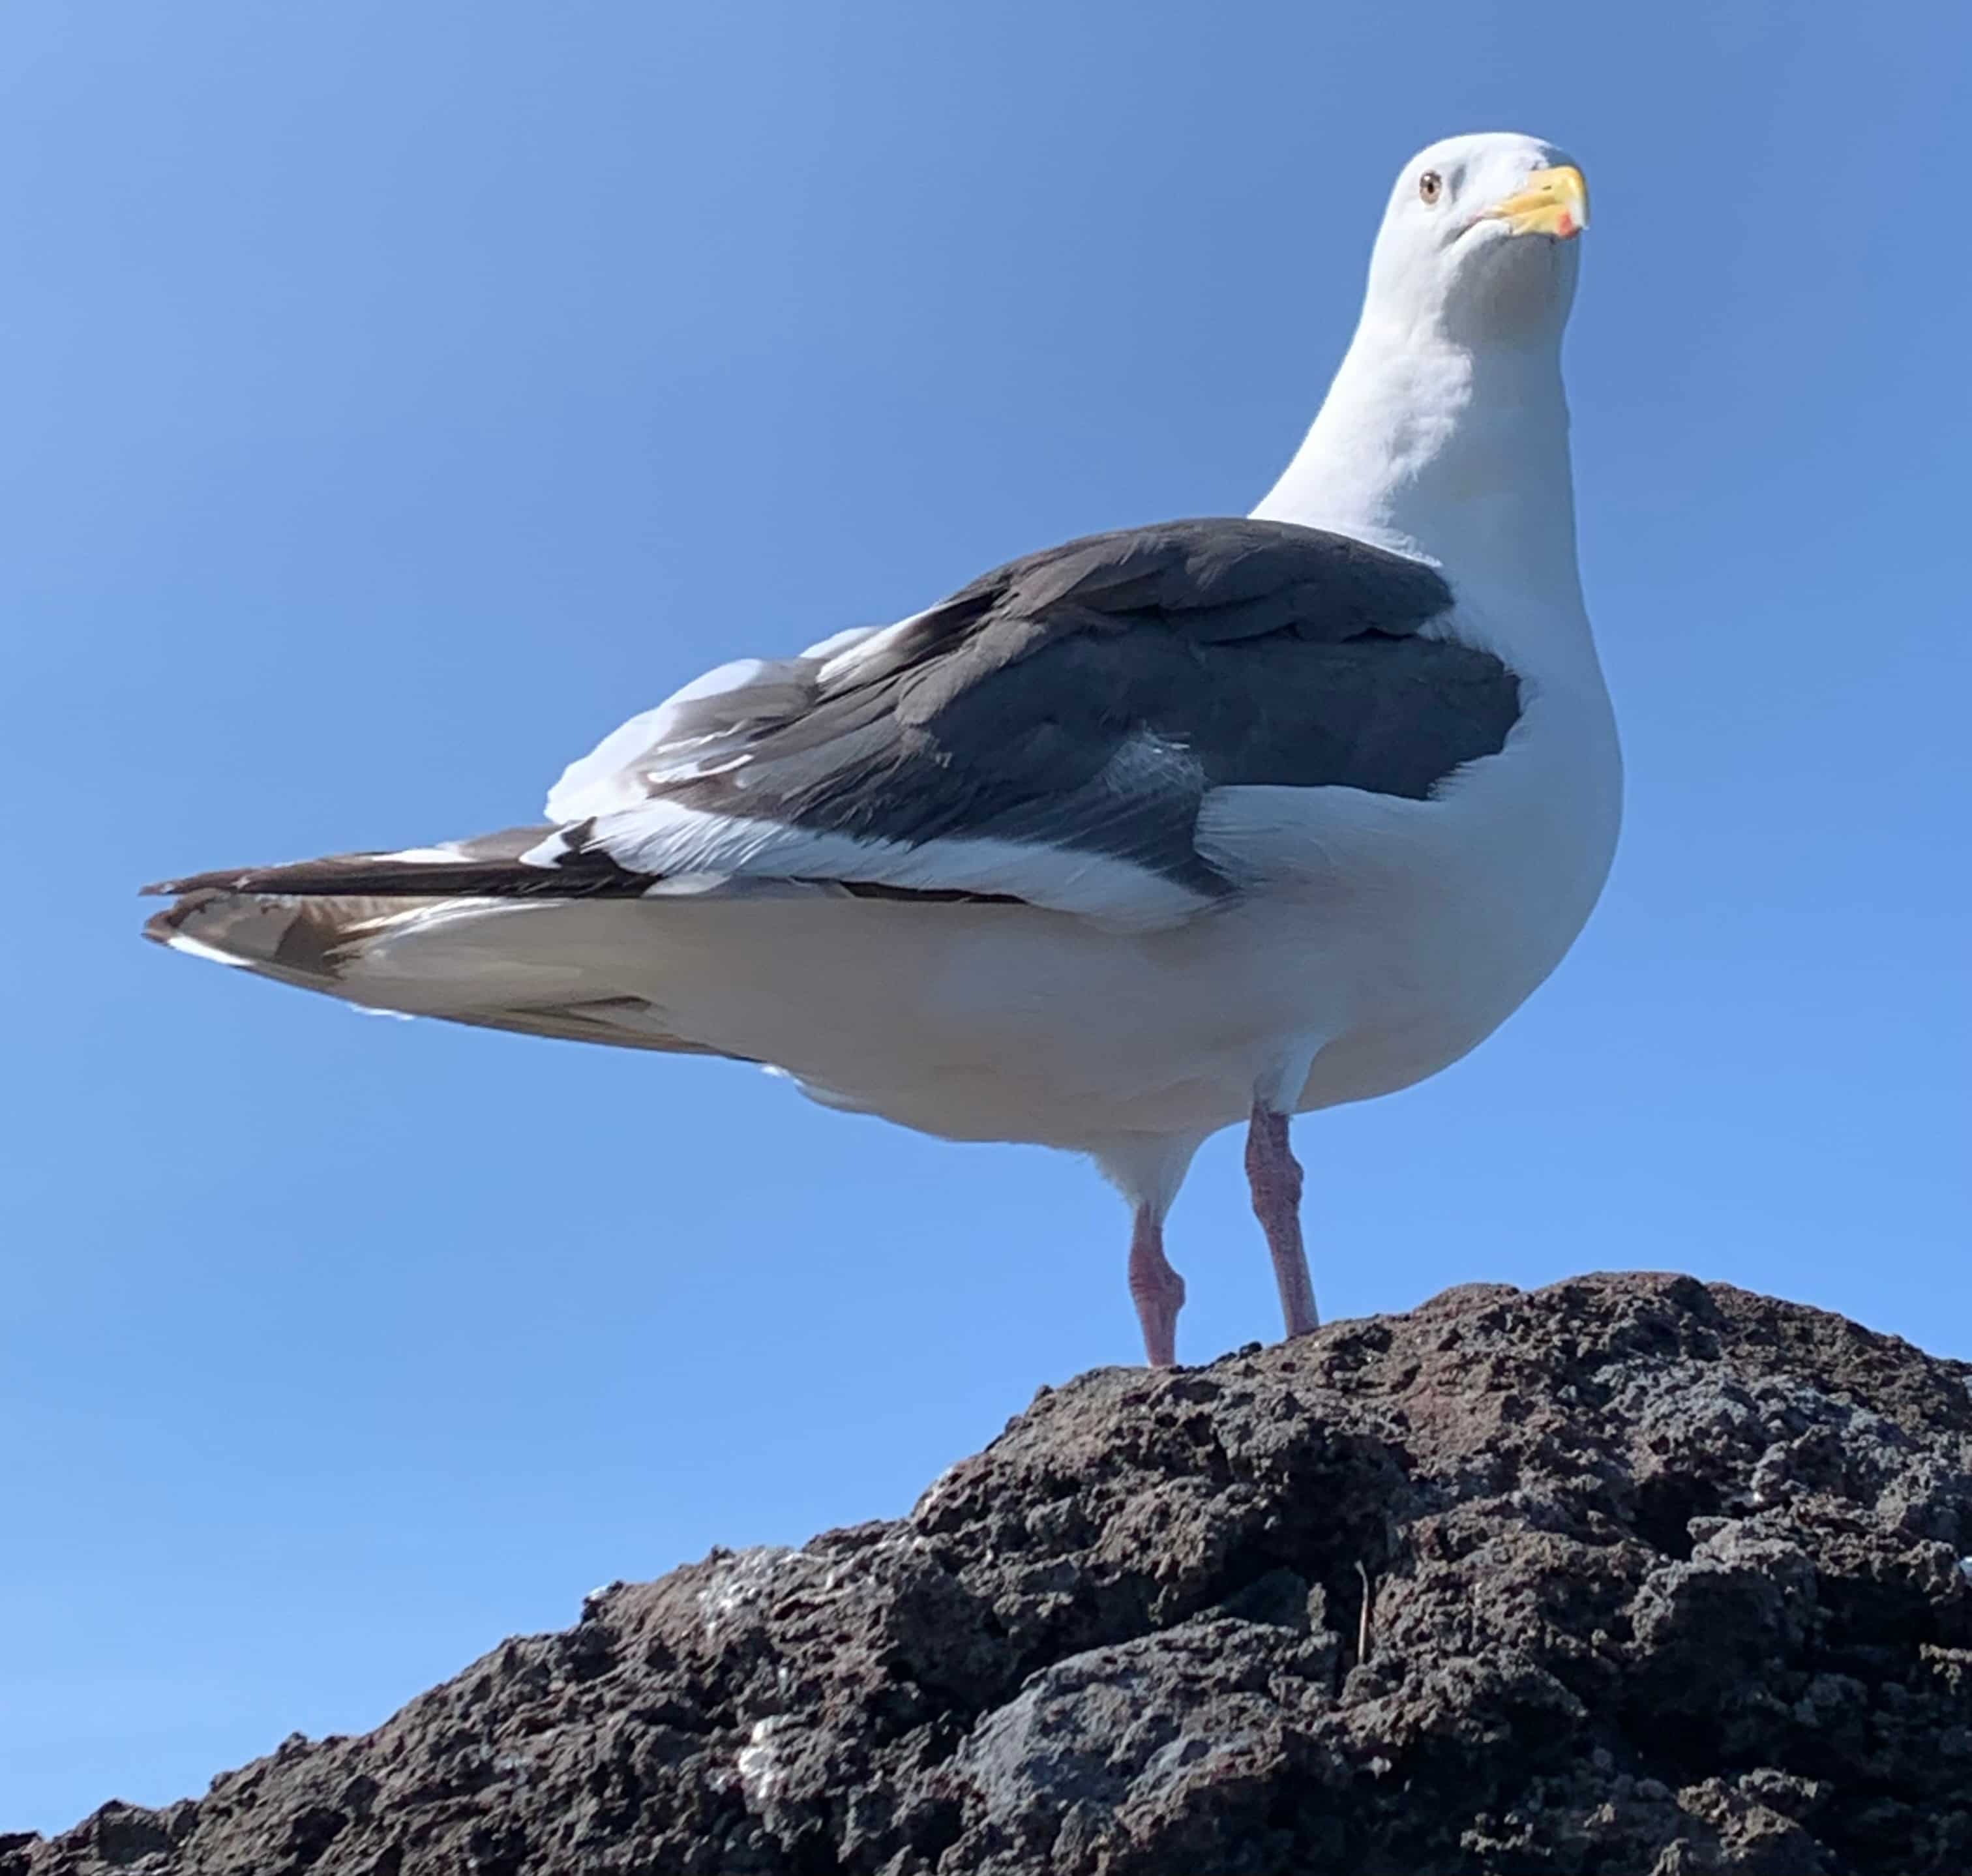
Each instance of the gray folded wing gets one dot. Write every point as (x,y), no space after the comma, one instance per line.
(1083,701)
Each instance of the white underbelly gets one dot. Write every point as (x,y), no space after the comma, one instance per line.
(1412,931)
(1376,940)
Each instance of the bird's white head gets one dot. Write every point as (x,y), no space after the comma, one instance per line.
(1445,432)
(1478,245)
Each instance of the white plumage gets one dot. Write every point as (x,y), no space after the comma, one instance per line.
(1057,860)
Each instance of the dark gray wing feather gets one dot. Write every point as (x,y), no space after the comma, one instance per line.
(1087,697)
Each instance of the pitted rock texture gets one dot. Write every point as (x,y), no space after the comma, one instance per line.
(1661,1578)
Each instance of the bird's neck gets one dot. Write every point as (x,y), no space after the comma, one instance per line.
(1429,448)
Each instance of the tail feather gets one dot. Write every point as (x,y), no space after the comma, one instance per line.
(526,929)
(451,933)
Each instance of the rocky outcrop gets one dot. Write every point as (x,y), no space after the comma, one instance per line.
(1629,1575)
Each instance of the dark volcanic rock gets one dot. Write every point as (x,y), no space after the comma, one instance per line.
(1662,1579)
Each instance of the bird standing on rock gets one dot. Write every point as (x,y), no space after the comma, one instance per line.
(1209,821)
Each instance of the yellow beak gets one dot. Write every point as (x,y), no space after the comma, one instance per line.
(1554,201)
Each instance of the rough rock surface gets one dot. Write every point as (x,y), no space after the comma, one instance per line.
(1663,1578)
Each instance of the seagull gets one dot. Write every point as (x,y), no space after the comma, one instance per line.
(1157,832)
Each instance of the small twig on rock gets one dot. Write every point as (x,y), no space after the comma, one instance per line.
(1366,1621)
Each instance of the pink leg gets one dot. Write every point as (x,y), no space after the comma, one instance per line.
(1157,1289)
(1275,1176)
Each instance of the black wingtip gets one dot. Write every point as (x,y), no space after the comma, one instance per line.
(223,879)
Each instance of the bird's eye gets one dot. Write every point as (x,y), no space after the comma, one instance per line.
(1431,185)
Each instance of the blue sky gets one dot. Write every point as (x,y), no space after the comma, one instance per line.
(395,396)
